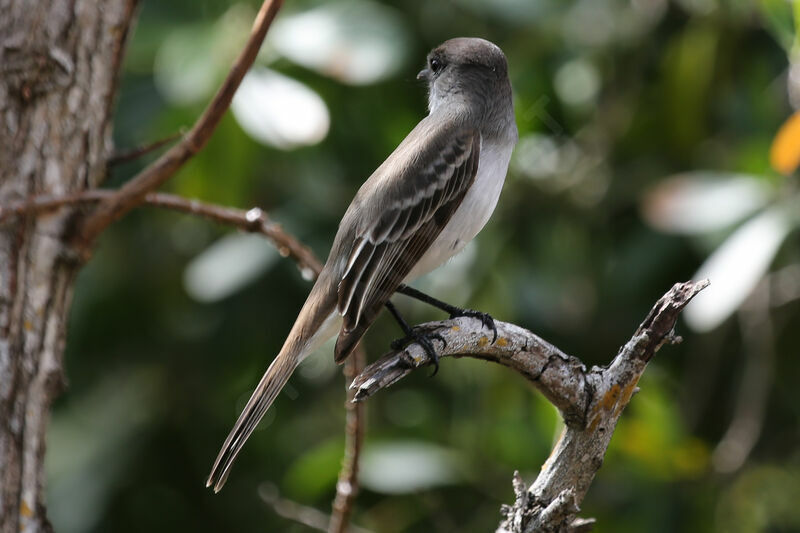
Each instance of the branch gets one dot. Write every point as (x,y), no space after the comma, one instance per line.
(347,485)
(591,401)
(254,220)
(139,190)
(750,409)
(302,514)
(123,156)
(559,377)
(134,191)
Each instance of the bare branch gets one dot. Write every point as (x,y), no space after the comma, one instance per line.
(515,514)
(591,401)
(254,220)
(750,409)
(556,512)
(47,202)
(133,192)
(124,156)
(355,425)
(560,377)
(302,514)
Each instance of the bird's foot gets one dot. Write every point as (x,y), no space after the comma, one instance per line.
(486,319)
(424,337)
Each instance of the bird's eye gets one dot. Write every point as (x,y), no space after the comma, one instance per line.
(436,65)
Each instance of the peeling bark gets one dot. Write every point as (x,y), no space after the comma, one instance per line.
(59,61)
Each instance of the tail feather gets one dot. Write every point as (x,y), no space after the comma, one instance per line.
(317,322)
(347,340)
(268,388)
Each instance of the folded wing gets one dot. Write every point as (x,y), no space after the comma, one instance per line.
(385,249)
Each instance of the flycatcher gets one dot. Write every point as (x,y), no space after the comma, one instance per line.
(419,208)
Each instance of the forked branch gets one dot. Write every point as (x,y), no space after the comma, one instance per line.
(256,221)
(151,177)
(253,220)
(590,400)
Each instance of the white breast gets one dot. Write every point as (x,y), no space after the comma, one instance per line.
(474,211)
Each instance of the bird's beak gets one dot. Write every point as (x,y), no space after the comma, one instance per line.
(424,74)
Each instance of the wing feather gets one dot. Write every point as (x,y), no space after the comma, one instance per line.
(386,249)
(359,265)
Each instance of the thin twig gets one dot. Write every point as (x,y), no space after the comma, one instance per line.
(750,409)
(47,202)
(355,425)
(134,191)
(114,204)
(257,221)
(123,156)
(254,220)
(291,510)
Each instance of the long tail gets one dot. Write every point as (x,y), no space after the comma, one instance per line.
(316,323)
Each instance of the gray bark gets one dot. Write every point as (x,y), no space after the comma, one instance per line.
(591,400)
(59,61)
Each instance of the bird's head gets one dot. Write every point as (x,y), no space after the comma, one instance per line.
(464,70)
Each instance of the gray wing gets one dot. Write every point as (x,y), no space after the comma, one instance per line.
(417,204)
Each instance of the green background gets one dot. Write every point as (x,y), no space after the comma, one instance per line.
(612,99)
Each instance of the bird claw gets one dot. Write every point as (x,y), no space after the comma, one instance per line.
(425,340)
(486,319)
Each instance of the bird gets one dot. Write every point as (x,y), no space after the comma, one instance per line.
(422,205)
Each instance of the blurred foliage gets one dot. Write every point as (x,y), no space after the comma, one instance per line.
(175,319)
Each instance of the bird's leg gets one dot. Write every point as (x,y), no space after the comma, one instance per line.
(485,318)
(416,334)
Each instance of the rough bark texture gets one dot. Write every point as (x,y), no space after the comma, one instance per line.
(590,400)
(58,67)
(59,61)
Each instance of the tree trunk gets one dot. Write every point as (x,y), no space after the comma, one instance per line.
(59,61)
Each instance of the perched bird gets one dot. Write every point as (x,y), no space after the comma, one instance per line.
(431,196)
